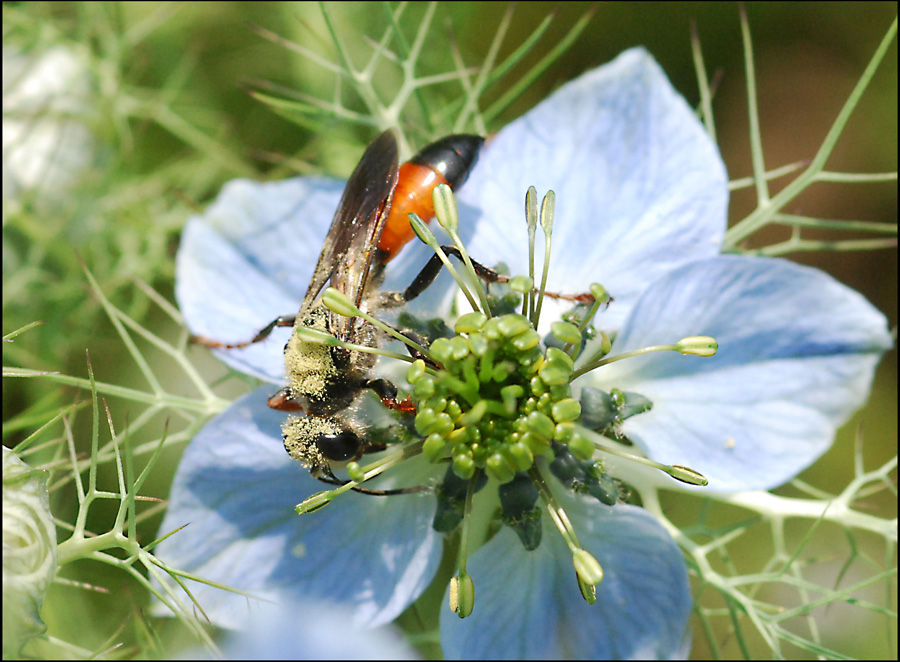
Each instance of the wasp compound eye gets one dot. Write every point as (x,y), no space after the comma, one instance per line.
(339,446)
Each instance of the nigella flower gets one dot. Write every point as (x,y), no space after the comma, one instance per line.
(641,208)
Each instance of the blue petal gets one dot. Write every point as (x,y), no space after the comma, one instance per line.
(310,631)
(640,187)
(797,351)
(248,259)
(237,488)
(528,606)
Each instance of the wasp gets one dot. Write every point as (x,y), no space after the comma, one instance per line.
(369,228)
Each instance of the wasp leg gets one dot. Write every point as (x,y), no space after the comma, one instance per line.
(399,490)
(433,267)
(284,320)
(388,394)
(334,480)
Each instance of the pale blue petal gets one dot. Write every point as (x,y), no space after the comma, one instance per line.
(640,187)
(528,606)
(248,259)
(797,351)
(311,631)
(236,488)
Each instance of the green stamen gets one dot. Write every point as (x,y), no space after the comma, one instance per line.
(696,345)
(338,302)
(445,213)
(548,207)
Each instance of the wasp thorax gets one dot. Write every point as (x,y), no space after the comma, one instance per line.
(499,399)
(324,379)
(309,366)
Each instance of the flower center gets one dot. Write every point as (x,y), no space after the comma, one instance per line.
(498,399)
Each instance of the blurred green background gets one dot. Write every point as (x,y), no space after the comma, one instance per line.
(169,120)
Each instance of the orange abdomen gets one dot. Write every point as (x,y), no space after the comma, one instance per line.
(412,196)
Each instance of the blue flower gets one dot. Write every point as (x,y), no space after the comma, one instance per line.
(642,200)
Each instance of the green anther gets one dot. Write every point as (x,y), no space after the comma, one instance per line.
(435,404)
(460,348)
(537,444)
(426,421)
(443,423)
(424,388)
(491,329)
(431,422)
(537,386)
(480,453)
(687,475)
(478,344)
(338,302)
(557,357)
(313,503)
(462,595)
(587,567)
(355,472)
(566,410)
(697,345)
(460,436)
(441,350)
(599,293)
(463,447)
(475,414)
(513,325)
(521,284)
(553,375)
(316,336)
(560,392)
(565,332)
(540,424)
(530,362)
(415,371)
(421,230)
(445,207)
(521,456)
(464,466)
(548,206)
(526,341)
(499,468)
(563,432)
(434,447)
(453,409)
(581,447)
(470,323)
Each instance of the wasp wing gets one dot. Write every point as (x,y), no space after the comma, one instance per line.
(350,245)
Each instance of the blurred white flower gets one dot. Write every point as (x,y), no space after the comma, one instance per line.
(29,552)
(46,143)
